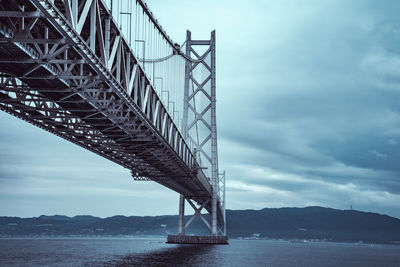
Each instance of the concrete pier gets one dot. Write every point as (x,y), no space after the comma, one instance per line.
(190,239)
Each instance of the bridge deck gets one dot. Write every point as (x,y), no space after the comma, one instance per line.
(51,78)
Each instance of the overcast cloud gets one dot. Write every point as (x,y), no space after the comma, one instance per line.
(308,114)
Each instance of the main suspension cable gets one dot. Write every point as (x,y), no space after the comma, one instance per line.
(176,51)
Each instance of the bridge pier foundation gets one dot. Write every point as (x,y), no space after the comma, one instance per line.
(181,238)
(192,239)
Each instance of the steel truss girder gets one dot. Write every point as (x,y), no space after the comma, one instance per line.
(57,49)
(146,93)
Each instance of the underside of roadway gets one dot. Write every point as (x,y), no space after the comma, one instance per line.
(144,151)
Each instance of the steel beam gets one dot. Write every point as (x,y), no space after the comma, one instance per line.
(66,67)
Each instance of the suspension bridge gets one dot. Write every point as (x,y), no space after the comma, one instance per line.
(106,76)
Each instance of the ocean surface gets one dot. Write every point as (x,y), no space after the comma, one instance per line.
(154,252)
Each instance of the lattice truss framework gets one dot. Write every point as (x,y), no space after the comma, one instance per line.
(68,70)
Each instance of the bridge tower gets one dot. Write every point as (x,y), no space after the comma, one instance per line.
(199,127)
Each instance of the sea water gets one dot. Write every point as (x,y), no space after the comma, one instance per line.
(155,252)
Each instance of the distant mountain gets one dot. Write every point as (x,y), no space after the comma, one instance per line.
(288,223)
(315,223)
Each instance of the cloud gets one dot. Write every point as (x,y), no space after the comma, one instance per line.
(378,155)
(319,103)
(272,188)
(313,87)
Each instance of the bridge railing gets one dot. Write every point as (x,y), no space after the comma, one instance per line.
(92,24)
(155,51)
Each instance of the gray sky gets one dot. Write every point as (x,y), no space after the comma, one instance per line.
(308,114)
